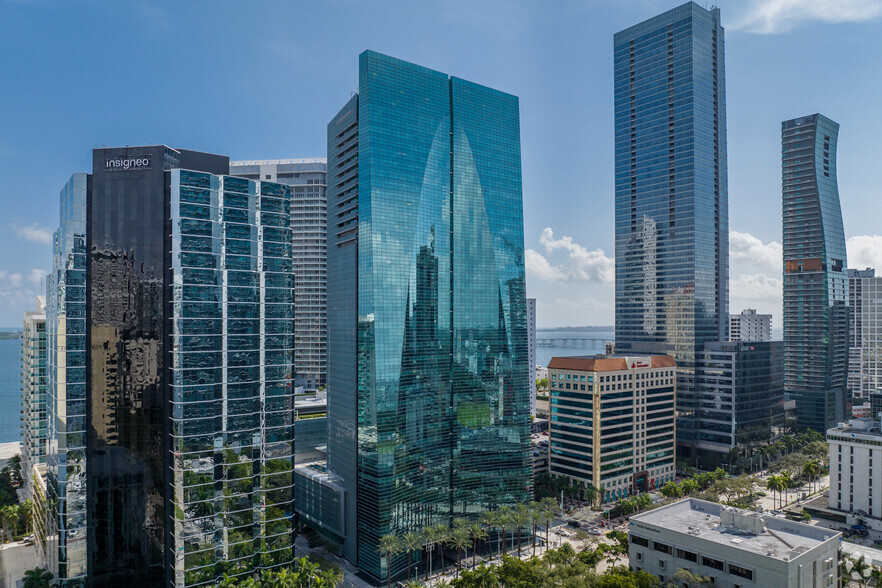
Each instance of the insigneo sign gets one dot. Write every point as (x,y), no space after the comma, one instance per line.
(127,163)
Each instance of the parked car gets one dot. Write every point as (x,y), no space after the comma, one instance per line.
(574,524)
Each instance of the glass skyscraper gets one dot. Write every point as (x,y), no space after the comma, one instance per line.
(428,401)
(66,411)
(672,234)
(815,279)
(309,234)
(180,469)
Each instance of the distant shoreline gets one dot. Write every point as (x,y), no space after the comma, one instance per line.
(4,336)
(571,329)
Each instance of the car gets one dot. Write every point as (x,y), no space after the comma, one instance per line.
(594,532)
(574,524)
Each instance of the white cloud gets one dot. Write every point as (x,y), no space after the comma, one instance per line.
(539,267)
(865,251)
(778,16)
(34,233)
(587,265)
(755,287)
(744,247)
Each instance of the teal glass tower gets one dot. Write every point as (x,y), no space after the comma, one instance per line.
(672,234)
(428,378)
(815,278)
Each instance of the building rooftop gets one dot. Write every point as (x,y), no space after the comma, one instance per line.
(594,363)
(754,532)
(867,427)
(278,161)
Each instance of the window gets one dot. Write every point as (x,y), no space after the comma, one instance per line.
(661,564)
(687,555)
(639,556)
(637,540)
(661,547)
(742,572)
(712,563)
(269,177)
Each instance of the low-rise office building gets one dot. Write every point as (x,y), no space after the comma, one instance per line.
(736,548)
(856,470)
(613,422)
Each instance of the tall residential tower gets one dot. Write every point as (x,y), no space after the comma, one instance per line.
(171,350)
(672,234)
(309,234)
(428,403)
(815,282)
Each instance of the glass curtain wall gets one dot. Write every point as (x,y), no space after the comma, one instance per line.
(232,352)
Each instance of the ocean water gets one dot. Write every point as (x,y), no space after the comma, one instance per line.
(582,343)
(10,390)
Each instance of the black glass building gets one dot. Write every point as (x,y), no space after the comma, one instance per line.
(428,403)
(672,234)
(188,304)
(815,278)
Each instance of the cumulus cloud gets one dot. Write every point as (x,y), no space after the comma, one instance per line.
(756,287)
(586,265)
(17,293)
(541,268)
(745,248)
(33,233)
(779,16)
(865,251)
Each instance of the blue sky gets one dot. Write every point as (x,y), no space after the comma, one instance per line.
(261,80)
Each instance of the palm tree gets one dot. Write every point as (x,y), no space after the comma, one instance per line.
(504,518)
(489,520)
(37,578)
(390,545)
(412,542)
(810,470)
(432,536)
(477,532)
(535,510)
(860,567)
(591,494)
(671,489)
(548,507)
(520,518)
(28,514)
(459,540)
(772,485)
(689,486)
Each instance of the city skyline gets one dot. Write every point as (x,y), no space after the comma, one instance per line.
(562,75)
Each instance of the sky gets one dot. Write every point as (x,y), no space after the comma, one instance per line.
(261,80)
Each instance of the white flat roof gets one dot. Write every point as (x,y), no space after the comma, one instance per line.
(781,538)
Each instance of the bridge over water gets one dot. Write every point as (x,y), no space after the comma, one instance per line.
(572,342)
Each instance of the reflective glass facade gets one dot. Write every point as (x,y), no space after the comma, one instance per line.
(815,280)
(672,251)
(231,358)
(177,402)
(309,228)
(426,239)
(741,394)
(66,356)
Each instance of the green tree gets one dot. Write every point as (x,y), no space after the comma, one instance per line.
(520,518)
(412,542)
(477,533)
(683,577)
(504,519)
(671,490)
(459,540)
(483,576)
(549,506)
(37,578)
(433,536)
(390,545)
